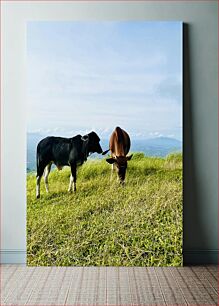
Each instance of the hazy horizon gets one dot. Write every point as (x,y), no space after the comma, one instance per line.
(85,76)
(104,136)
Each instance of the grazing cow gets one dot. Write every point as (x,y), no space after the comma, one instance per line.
(64,152)
(119,146)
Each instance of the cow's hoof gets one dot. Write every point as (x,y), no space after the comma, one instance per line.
(38,196)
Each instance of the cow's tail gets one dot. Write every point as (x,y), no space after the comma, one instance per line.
(37,160)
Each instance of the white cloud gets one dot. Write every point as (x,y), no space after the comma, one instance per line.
(156,134)
(97,81)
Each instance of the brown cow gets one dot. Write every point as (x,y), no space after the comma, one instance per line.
(119,146)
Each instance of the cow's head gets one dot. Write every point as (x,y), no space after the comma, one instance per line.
(120,163)
(93,143)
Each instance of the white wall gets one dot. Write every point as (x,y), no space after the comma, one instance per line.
(200,117)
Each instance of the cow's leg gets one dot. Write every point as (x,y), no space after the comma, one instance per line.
(112,169)
(70,183)
(46,175)
(72,178)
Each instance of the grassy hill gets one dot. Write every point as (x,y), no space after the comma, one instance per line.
(107,224)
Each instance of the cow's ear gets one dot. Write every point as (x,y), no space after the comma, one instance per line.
(110,160)
(129,157)
(85,138)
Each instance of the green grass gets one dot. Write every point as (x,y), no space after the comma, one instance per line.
(104,223)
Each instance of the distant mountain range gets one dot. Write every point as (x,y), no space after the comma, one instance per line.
(159,146)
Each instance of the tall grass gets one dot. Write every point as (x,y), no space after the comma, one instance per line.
(107,224)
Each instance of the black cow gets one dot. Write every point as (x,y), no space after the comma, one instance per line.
(64,152)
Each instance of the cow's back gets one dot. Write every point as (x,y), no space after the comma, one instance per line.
(55,149)
(119,142)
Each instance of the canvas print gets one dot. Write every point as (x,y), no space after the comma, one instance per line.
(104,143)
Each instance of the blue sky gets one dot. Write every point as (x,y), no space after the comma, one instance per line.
(84,76)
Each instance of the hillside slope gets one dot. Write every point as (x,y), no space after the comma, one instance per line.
(107,224)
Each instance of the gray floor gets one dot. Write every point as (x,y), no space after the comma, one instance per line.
(108,285)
